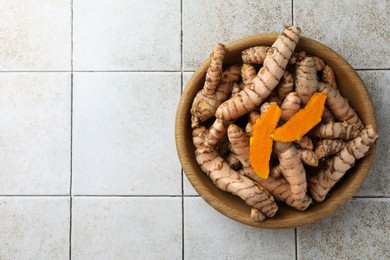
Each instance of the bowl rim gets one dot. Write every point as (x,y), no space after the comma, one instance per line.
(215,198)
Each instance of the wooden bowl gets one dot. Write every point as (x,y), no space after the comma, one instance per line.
(351,86)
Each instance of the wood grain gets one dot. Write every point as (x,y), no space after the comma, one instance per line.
(351,86)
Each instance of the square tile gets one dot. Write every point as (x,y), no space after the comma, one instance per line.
(360,230)
(207,22)
(34,228)
(210,235)
(35,112)
(378,180)
(126,228)
(123,142)
(126,35)
(35,35)
(357,30)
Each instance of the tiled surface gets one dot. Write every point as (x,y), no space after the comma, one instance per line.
(359,30)
(123,228)
(35,35)
(34,228)
(377,183)
(35,133)
(122,137)
(210,235)
(88,96)
(126,35)
(360,230)
(207,22)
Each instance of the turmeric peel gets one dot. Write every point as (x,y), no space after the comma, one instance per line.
(261,142)
(303,121)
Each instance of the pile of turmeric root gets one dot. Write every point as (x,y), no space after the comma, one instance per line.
(275,128)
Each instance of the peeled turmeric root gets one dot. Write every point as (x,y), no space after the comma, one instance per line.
(261,141)
(229,180)
(303,121)
(337,166)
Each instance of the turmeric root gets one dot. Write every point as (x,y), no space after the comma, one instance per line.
(254,55)
(224,146)
(306,82)
(277,186)
(305,143)
(274,97)
(308,157)
(229,180)
(253,116)
(215,134)
(232,160)
(327,116)
(292,168)
(241,85)
(335,130)
(265,81)
(248,73)
(290,106)
(261,141)
(329,77)
(339,106)
(214,72)
(319,64)
(276,171)
(205,105)
(285,85)
(249,129)
(338,165)
(235,89)
(303,121)
(327,147)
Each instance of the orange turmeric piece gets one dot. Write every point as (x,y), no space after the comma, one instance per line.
(261,141)
(303,121)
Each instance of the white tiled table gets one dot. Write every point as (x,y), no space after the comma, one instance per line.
(88,95)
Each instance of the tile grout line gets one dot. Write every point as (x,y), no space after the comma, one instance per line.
(292,12)
(296,243)
(181,92)
(71,133)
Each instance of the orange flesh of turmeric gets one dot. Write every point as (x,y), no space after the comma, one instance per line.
(303,121)
(261,141)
